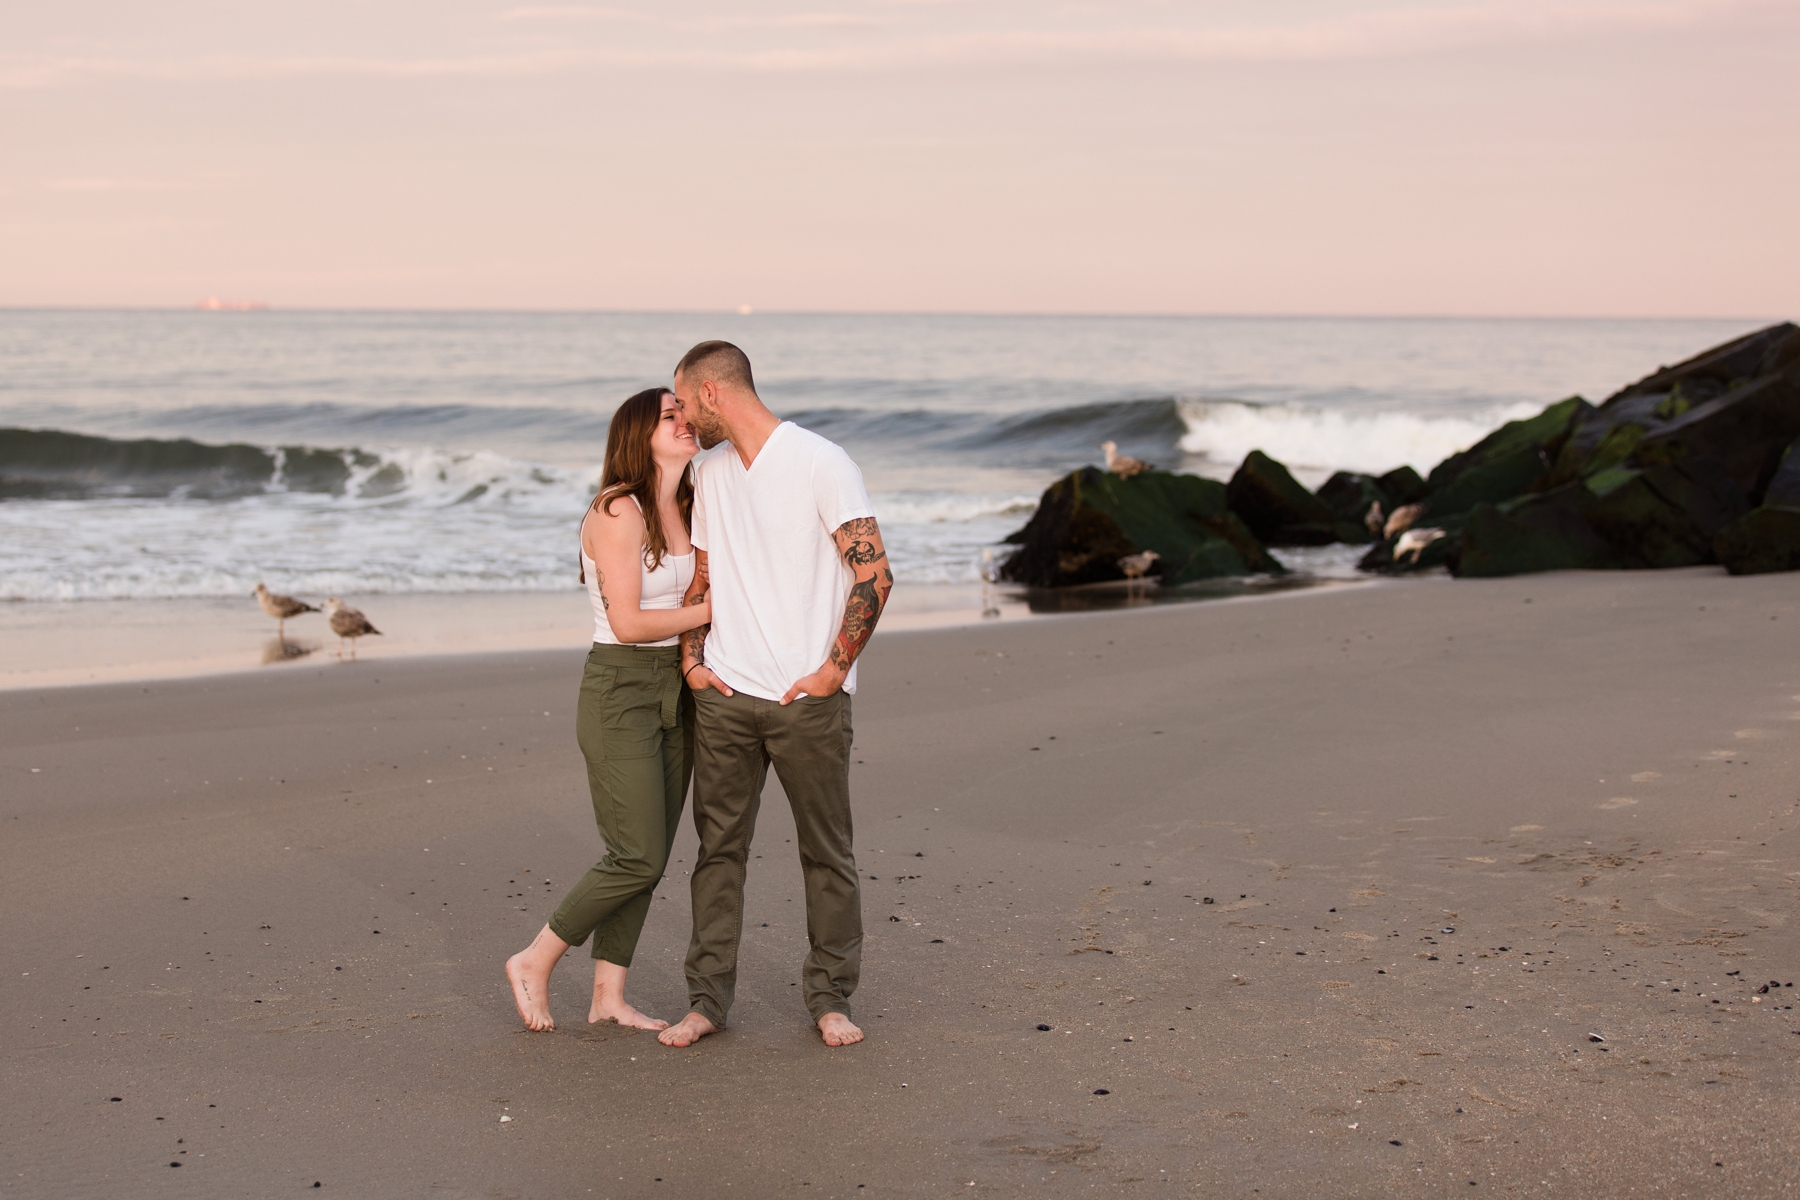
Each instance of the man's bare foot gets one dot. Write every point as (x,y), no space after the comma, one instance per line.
(531,990)
(687,1031)
(838,1031)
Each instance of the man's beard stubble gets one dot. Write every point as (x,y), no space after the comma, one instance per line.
(708,429)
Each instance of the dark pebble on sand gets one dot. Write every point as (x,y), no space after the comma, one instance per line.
(1043,1029)
(1146,883)
(1102,1092)
(1207,900)
(937,941)
(1331,910)
(117,1099)
(174,1164)
(1594,1037)
(374,931)
(316,1183)
(893,918)
(1394,1143)
(919,854)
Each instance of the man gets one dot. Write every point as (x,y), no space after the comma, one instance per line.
(788,545)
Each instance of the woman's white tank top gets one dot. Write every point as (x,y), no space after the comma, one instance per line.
(662,588)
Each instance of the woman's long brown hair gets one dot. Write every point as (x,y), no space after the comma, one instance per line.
(631,471)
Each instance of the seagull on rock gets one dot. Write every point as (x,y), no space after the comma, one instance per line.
(280,607)
(1413,543)
(347,622)
(1402,519)
(1122,465)
(1375,520)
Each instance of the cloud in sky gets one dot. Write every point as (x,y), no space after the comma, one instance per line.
(1237,155)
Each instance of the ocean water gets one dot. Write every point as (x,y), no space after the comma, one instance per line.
(174,453)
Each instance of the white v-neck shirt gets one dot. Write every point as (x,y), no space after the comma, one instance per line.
(778,584)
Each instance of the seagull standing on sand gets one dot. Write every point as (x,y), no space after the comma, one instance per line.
(1122,465)
(1136,566)
(347,622)
(280,607)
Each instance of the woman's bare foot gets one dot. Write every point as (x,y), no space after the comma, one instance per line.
(609,1000)
(687,1031)
(529,973)
(838,1031)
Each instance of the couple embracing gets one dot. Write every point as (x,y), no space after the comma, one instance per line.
(730,604)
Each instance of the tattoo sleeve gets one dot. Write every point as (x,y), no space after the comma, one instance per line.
(693,642)
(860,545)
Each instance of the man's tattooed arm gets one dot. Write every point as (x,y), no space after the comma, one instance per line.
(859,543)
(693,642)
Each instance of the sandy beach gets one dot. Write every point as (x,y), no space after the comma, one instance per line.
(1423,887)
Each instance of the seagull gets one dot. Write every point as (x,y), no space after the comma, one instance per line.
(1414,541)
(1374,521)
(280,607)
(1402,519)
(347,622)
(1122,465)
(1136,566)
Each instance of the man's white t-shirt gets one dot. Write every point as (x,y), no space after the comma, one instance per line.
(778,583)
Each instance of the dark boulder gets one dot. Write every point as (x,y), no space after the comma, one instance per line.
(1745,430)
(1403,485)
(1539,533)
(1738,404)
(1280,512)
(1762,540)
(1767,538)
(1089,519)
(1784,485)
(1625,517)
(1349,496)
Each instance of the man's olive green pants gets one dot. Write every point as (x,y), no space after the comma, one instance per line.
(635,724)
(736,739)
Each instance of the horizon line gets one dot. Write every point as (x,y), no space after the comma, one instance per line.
(263,308)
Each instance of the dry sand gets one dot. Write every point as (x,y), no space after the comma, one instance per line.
(1453,831)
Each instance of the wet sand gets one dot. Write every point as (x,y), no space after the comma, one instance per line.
(1451,833)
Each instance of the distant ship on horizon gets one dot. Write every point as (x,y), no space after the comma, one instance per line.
(214,304)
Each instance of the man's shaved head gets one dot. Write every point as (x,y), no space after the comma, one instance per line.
(719,362)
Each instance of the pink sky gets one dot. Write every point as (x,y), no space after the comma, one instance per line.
(1607,157)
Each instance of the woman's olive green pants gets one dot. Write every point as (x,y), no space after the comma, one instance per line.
(635,724)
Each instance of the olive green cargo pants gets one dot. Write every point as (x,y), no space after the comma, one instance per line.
(736,738)
(635,724)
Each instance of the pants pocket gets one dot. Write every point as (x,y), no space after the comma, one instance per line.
(622,718)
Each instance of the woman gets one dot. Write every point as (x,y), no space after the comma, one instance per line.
(635,719)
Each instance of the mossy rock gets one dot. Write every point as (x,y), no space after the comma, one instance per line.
(1280,512)
(1747,431)
(1089,519)
(1538,438)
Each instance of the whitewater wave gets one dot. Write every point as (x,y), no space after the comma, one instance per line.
(1222,432)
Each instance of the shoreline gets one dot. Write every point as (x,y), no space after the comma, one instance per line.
(74,643)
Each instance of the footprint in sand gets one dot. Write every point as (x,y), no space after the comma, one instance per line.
(1619,802)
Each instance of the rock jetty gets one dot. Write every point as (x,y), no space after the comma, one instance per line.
(1695,463)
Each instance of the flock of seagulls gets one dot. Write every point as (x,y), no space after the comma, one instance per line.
(1411,542)
(345,621)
